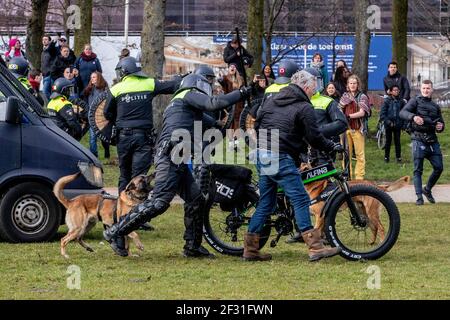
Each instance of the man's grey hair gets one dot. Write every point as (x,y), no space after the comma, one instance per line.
(303,79)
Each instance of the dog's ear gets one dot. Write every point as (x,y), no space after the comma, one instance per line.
(130,186)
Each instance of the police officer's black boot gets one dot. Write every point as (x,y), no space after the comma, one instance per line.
(128,223)
(193,221)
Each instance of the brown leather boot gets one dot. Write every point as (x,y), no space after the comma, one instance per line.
(251,251)
(315,245)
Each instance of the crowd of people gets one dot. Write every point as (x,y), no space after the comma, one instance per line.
(303,105)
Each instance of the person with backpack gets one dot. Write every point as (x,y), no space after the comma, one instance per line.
(356,108)
(390,116)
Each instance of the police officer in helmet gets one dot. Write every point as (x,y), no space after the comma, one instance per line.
(172,173)
(286,69)
(60,108)
(129,105)
(19,67)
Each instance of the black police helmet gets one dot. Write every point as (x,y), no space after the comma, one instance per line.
(205,71)
(286,70)
(18,67)
(128,66)
(196,81)
(62,87)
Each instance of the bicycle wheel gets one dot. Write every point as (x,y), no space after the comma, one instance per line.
(381,137)
(381,228)
(224,230)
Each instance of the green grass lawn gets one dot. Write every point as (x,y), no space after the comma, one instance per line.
(376,169)
(416,268)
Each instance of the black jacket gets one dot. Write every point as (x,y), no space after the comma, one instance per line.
(230,56)
(132,108)
(401,81)
(48,56)
(188,106)
(59,65)
(430,112)
(291,113)
(390,112)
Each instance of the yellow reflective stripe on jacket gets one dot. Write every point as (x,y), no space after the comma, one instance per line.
(320,102)
(275,88)
(24,81)
(180,95)
(58,103)
(131,84)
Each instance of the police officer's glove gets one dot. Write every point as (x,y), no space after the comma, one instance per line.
(245,92)
(337,147)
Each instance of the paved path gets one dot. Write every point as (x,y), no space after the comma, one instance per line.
(440,192)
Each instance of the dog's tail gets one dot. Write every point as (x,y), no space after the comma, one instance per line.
(396,185)
(59,187)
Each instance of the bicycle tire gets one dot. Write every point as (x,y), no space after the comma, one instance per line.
(381,138)
(386,242)
(215,220)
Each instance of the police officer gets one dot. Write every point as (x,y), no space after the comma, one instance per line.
(60,108)
(129,105)
(286,70)
(426,120)
(19,67)
(331,122)
(172,173)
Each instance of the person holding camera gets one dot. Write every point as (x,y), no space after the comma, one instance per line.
(232,54)
(426,120)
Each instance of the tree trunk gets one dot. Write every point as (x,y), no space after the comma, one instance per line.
(152,37)
(399,34)
(362,43)
(255,34)
(152,50)
(83,35)
(35,31)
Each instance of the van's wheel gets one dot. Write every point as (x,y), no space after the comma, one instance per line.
(29,212)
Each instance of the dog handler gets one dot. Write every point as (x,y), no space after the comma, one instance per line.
(187,106)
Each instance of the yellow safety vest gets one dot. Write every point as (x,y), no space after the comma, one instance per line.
(131,84)
(58,103)
(321,102)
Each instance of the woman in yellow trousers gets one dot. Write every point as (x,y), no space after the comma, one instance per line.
(355,105)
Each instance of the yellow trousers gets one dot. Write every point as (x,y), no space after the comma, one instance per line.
(357,140)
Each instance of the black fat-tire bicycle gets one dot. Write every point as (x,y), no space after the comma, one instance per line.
(361,219)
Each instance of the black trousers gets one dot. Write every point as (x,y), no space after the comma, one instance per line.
(431,152)
(135,151)
(398,147)
(172,179)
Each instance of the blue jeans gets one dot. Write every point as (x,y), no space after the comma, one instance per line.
(431,152)
(47,86)
(93,142)
(288,177)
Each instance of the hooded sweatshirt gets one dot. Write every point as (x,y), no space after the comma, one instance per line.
(291,113)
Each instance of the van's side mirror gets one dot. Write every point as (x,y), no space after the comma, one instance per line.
(12,114)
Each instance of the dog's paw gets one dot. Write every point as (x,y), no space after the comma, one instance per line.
(140,246)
